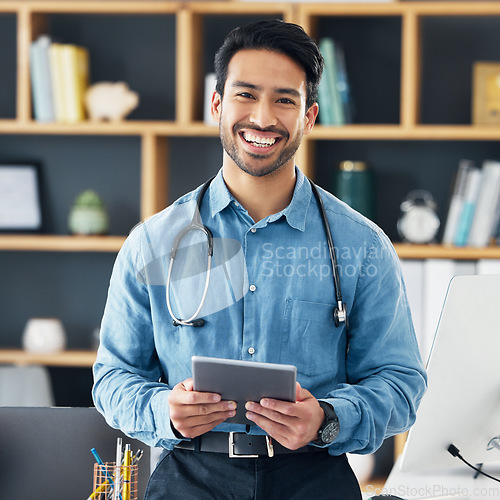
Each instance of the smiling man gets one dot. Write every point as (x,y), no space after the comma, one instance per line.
(359,381)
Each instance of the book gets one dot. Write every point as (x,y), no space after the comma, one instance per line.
(325,99)
(74,62)
(343,87)
(456,201)
(41,81)
(469,205)
(482,226)
(69,69)
(327,48)
(56,71)
(495,235)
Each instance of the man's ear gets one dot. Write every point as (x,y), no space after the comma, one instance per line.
(215,107)
(310,119)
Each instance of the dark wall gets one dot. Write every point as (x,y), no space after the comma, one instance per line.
(140,50)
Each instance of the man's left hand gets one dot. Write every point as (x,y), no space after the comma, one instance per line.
(291,424)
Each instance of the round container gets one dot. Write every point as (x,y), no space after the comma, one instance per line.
(354,184)
(44,335)
(88,220)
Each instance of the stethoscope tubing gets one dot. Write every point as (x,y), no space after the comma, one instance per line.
(340,311)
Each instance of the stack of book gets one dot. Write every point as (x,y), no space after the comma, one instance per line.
(59,80)
(335,106)
(474,212)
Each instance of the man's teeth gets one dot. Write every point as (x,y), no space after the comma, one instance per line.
(259,141)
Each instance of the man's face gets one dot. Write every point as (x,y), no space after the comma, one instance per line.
(263,115)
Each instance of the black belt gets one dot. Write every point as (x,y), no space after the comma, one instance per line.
(240,445)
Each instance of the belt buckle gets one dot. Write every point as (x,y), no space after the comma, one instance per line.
(232,454)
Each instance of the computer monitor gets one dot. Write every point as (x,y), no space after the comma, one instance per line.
(462,403)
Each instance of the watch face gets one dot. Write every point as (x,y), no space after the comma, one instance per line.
(330,432)
(418,225)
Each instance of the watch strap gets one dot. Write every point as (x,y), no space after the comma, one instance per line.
(330,416)
(329,411)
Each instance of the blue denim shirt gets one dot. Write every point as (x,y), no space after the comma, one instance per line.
(270,298)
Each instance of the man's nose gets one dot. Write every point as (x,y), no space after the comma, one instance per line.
(263,115)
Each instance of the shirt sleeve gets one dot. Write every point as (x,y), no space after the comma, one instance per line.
(127,388)
(385,375)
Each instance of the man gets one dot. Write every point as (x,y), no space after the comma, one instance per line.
(356,386)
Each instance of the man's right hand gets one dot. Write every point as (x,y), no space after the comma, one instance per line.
(194,413)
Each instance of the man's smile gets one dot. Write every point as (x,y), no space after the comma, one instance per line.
(259,140)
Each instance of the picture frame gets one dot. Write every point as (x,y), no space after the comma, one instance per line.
(20,200)
(486,93)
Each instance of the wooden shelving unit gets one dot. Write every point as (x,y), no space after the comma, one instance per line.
(155,136)
(32,19)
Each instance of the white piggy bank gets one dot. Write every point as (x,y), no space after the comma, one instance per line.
(110,101)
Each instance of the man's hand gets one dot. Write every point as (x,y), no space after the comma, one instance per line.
(292,424)
(194,413)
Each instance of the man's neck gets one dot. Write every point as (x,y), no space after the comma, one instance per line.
(261,196)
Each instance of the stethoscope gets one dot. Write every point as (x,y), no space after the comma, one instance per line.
(339,312)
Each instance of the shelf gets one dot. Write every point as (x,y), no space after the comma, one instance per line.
(92,6)
(399,132)
(75,358)
(199,129)
(407,251)
(36,243)
(125,127)
(114,243)
(435,8)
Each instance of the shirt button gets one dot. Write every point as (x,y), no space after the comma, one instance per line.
(253,230)
(251,350)
(253,288)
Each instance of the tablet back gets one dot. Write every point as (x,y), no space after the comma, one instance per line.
(243,381)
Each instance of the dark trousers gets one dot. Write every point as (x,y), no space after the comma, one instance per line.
(186,475)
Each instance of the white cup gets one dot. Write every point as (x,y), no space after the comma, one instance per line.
(44,336)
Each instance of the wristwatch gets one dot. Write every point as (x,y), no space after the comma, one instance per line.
(330,427)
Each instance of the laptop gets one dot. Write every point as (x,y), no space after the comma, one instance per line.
(45,452)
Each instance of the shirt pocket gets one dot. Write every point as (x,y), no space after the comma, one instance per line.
(310,339)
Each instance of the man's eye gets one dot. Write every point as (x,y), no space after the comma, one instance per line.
(285,100)
(245,95)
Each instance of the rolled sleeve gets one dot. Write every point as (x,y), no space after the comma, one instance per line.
(385,375)
(127,388)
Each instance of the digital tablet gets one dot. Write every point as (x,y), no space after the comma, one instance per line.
(243,381)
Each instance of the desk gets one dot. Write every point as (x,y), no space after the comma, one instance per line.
(457,482)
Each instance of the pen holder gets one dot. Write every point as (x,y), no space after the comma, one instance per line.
(108,475)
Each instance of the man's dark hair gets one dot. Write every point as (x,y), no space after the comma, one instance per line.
(277,36)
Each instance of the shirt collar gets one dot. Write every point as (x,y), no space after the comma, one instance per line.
(295,213)
(220,197)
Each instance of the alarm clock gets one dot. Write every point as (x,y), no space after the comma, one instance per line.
(418,221)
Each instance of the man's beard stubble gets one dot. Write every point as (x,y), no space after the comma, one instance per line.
(229,145)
